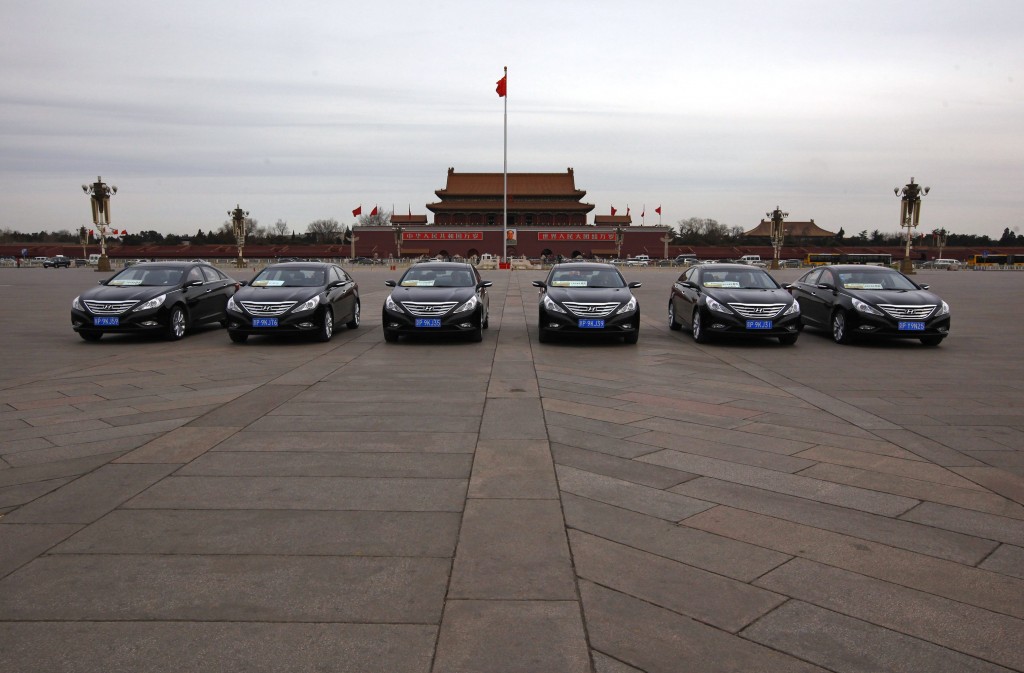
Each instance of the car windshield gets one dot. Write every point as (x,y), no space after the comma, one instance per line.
(874,279)
(738,279)
(289,277)
(425,276)
(146,276)
(586,278)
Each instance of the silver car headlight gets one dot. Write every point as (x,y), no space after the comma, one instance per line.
(468,305)
(76,304)
(307,305)
(716,306)
(793,309)
(943,310)
(232,306)
(628,307)
(550,305)
(155,302)
(865,308)
(391,305)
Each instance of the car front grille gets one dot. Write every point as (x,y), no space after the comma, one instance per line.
(264,309)
(758,310)
(426,309)
(591,310)
(904,312)
(108,307)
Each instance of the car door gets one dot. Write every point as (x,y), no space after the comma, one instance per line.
(343,297)
(815,302)
(217,289)
(684,297)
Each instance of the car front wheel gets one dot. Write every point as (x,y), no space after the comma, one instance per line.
(840,331)
(700,335)
(354,322)
(177,324)
(673,324)
(326,327)
(90,336)
(932,341)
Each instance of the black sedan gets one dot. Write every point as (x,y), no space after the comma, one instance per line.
(733,300)
(57,262)
(870,301)
(294,298)
(160,297)
(437,298)
(587,298)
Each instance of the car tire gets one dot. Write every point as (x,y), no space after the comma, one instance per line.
(932,341)
(390,336)
(177,323)
(354,322)
(476,335)
(90,336)
(673,324)
(788,339)
(840,329)
(700,335)
(326,330)
(487,320)
(632,337)
(238,337)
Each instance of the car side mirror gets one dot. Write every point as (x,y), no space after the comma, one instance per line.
(539,283)
(485,283)
(389,283)
(688,283)
(635,284)
(243,283)
(788,286)
(925,286)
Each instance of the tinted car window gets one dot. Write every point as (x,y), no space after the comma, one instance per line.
(437,277)
(194,274)
(812,277)
(586,278)
(336,275)
(870,279)
(733,278)
(289,277)
(143,276)
(211,274)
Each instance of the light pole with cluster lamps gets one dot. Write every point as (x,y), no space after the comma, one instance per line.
(99,198)
(778,233)
(910,216)
(238,228)
(941,236)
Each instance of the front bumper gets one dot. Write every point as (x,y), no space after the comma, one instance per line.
(567,323)
(130,322)
(452,323)
(289,323)
(727,324)
(866,325)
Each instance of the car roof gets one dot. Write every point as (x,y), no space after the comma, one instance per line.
(442,265)
(859,267)
(166,265)
(296,265)
(729,267)
(583,265)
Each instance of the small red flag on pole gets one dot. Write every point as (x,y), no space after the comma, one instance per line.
(358,211)
(613,211)
(502,88)
(373,213)
(658,210)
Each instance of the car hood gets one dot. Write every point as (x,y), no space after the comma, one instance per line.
(746,296)
(589,294)
(249,293)
(897,297)
(126,292)
(432,294)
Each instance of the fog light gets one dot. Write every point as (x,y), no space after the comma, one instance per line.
(866,328)
(552,324)
(392,325)
(306,325)
(149,323)
(718,325)
(465,325)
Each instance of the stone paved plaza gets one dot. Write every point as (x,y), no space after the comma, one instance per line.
(441,506)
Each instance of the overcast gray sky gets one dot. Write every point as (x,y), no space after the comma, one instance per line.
(305,109)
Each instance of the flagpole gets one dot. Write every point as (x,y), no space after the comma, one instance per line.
(504,201)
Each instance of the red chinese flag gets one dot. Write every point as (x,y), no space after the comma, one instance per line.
(124,232)
(92,234)
(502,86)
(627,211)
(658,210)
(613,211)
(373,213)
(643,212)
(357,212)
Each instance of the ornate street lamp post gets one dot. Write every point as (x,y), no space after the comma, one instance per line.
(99,198)
(778,233)
(398,242)
(666,239)
(910,217)
(941,236)
(238,228)
(619,237)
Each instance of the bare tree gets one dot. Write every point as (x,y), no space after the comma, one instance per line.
(381,219)
(280,228)
(325,231)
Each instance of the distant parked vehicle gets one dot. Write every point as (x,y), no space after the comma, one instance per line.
(57,262)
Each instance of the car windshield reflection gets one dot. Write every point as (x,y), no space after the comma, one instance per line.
(738,280)
(874,280)
(597,278)
(136,276)
(295,277)
(419,276)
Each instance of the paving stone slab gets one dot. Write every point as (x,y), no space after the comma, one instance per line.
(86,450)
(961,548)
(277,532)
(1003,482)
(657,640)
(513,418)
(610,445)
(249,407)
(848,645)
(656,502)
(733,454)
(719,601)
(512,550)
(511,637)
(437,406)
(323,464)
(697,548)
(1008,560)
(619,468)
(352,442)
(979,524)
(421,424)
(111,433)
(226,647)
(746,440)
(20,543)
(66,587)
(964,628)
(965,584)
(914,469)
(579,423)
(19,494)
(508,468)
(334,493)
(180,445)
(605,664)
(91,496)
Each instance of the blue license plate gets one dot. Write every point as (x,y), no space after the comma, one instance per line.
(428,322)
(264,322)
(106,322)
(591,324)
(759,324)
(911,326)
